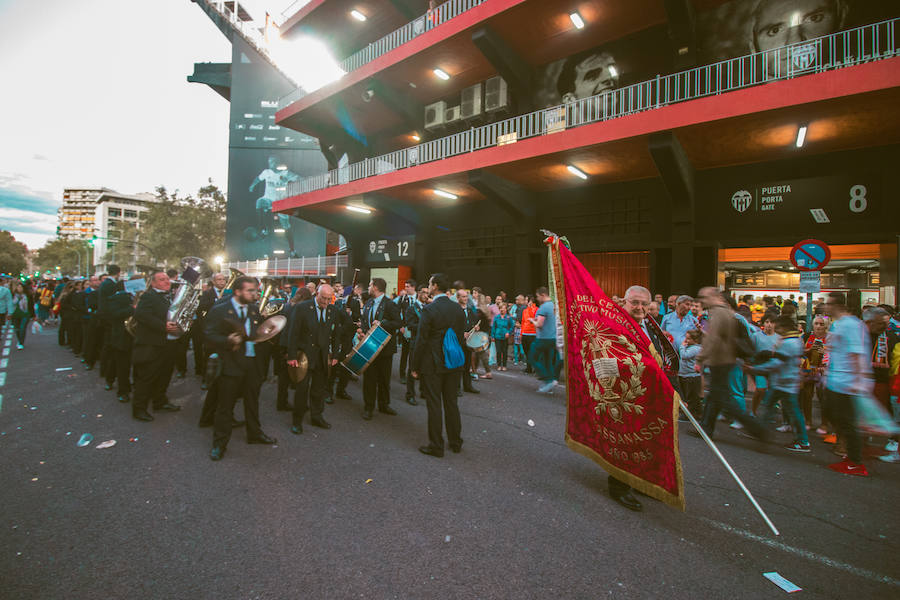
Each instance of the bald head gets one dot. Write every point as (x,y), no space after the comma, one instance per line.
(324,295)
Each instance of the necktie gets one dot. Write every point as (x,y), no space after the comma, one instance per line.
(243,315)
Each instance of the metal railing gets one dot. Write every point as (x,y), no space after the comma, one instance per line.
(440,14)
(846,48)
(304,266)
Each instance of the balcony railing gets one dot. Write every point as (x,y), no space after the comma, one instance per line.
(843,49)
(395,39)
(305,266)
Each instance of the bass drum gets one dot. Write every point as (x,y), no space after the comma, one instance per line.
(478,341)
(366,350)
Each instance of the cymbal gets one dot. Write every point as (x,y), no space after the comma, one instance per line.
(299,372)
(269,328)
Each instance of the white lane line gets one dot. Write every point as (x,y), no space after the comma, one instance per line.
(1,402)
(829,562)
(2,379)
(4,363)
(8,342)
(6,352)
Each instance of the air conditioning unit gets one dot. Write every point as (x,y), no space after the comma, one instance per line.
(496,94)
(470,106)
(452,115)
(434,114)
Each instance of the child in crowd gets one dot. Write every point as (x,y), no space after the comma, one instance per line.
(784,379)
(689,378)
(502,328)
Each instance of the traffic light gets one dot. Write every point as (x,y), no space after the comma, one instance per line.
(92,241)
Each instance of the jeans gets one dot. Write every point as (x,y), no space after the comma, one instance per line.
(544,359)
(722,399)
(20,326)
(843,417)
(502,346)
(789,405)
(527,341)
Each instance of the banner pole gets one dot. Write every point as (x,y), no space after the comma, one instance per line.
(740,483)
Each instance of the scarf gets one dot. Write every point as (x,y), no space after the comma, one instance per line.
(880,353)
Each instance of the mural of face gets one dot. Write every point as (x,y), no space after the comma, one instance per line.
(372,247)
(591,76)
(778,23)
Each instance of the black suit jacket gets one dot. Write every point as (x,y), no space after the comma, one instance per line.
(222,320)
(119,310)
(354,305)
(150,315)
(388,315)
(436,318)
(314,339)
(105,291)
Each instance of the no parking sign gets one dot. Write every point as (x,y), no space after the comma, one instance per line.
(810,255)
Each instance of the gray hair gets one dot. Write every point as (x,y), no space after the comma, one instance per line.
(873,313)
(638,289)
(684,298)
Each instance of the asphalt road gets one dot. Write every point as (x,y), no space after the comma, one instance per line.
(358,512)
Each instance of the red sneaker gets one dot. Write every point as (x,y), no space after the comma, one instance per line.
(847,467)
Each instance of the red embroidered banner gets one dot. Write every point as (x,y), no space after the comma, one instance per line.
(622,412)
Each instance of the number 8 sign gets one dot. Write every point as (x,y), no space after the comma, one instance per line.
(810,255)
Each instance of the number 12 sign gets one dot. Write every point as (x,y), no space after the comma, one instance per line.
(391,249)
(810,255)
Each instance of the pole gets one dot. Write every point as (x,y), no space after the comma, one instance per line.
(740,483)
(809,311)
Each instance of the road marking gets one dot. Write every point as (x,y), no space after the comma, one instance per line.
(4,363)
(2,379)
(829,562)
(8,342)
(1,402)
(6,352)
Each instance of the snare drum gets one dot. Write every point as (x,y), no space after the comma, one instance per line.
(479,341)
(366,350)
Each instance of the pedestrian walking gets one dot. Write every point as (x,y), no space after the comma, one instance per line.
(22,311)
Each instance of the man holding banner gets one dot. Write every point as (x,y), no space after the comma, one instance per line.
(622,412)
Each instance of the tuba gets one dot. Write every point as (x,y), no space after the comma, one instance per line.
(232,277)
(187,298)
(271,303)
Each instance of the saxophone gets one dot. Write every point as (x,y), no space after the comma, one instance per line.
(184,305)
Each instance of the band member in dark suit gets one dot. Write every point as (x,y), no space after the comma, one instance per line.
(410,314)
(314,331)
(106,291)
(93,333)
(228,326)
(346,331)
(207,299)
(355,304)
(284,379)
(472,319)
(405,301)
(151,356)
(121,308)
(179,345)
(379,310)
(440,383)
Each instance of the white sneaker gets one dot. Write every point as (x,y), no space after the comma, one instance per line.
(891,446)
(736,425)
(547,387)
(893,457)
(783,428)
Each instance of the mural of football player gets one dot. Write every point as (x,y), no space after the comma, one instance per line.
(275,176)
(586,74)
(778,23)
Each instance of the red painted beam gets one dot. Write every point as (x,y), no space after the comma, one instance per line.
(430,38)
(849,81)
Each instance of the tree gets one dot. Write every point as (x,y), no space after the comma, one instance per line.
(65,255)
(176,227)
(12,254)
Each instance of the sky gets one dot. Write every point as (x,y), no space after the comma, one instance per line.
(94,93)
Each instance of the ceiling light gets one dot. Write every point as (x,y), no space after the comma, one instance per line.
(277,251)
(357,15)
(442,74)
(577,21)
(416,137)
(278,230)
(359,209)
(613,71)
(801,136)
(446,195)
(577,172)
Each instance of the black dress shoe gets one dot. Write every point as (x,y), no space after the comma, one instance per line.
(456,449)
(262,439)
(471,390)
(329,400)
(343,395)
(181,375)
(108,386)
(237,423)
(124,398)
(168,407)
(367,415)
(297,429)
(459,393)
(431,451)
(387,410)
(203,386)
(202,424)
(142,416)
(320,422)
(217,453)
(628,501)
(412,400)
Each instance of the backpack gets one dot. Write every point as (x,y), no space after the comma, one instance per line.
(454,357)
(744,347)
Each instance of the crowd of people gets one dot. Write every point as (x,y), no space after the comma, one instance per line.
(715,349)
